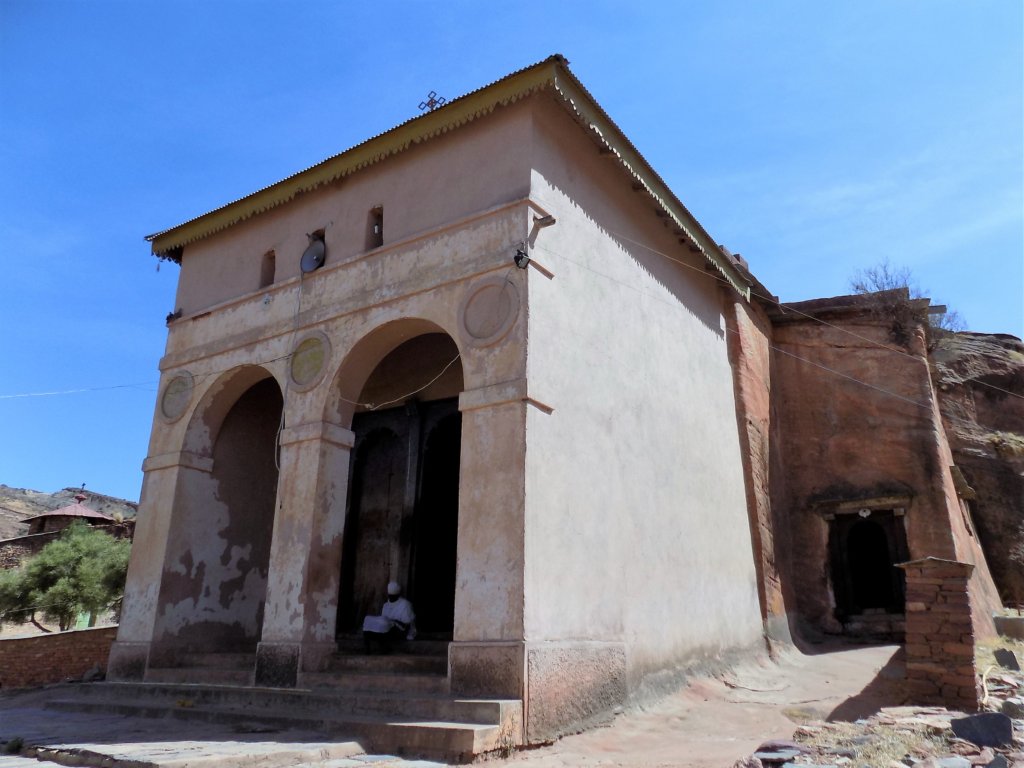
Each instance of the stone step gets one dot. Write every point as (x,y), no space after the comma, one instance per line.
(402,735)
(351,644)
(371,681)
(318,703)
(394,663)
(200,675)
(219,660)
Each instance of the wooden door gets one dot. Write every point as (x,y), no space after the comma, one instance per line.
(402,518)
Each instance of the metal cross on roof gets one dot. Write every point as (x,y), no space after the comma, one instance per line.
(433,101)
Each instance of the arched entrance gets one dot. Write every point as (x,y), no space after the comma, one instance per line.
(401,521)
(864,553)
(214,583)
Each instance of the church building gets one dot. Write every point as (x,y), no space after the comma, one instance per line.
(489,355)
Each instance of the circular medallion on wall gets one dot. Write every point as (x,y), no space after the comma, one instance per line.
(309,361)
(489,310)
(176,396)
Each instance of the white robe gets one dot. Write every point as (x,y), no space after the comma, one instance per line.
(393,613)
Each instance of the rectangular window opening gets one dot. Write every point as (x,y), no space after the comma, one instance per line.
(267,269)
(375,228)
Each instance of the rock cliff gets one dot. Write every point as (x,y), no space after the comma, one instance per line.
(980,379)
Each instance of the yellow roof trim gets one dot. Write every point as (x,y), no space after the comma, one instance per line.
(422,128)
(553,72)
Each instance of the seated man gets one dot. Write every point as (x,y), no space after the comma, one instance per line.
(397,622)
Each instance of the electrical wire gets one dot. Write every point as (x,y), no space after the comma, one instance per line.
(137,385)
(32,608)
(378,406)
(287,379)
(787,308)
(820,366)
(770,299)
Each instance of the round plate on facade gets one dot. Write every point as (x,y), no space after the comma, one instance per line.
(309,361)
(176,396)
(489,310)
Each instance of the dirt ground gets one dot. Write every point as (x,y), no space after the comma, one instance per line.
(714,722)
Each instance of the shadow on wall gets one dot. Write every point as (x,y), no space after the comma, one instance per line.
(693,286)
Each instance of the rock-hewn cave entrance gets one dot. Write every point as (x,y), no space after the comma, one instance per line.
(402,518)
(866,583)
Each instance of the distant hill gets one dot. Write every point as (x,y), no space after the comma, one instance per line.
(19,504)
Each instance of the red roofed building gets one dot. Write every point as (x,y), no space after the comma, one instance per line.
(59,519)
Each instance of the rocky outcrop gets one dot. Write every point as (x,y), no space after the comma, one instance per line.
(980,380)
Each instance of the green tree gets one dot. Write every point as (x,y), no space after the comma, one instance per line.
(81,572)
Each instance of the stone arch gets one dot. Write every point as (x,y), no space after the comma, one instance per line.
(364,357)
(864,549)
(209,413)
(214,579)
(386,515)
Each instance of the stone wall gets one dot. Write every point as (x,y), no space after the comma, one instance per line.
(940,634)
(14,552)
(27,662)
(639,563)
(749,339)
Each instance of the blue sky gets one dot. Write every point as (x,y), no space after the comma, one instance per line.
(814,138)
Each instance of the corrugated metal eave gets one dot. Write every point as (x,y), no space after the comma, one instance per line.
(551,72)
(454,114)
(592,114)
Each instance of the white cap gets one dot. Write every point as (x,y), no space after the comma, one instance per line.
(393,588)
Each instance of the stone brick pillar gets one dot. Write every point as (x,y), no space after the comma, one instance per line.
(300,616)
(940,634)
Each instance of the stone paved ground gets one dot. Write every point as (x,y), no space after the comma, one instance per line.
(711,723)
(132,741)
(714,722)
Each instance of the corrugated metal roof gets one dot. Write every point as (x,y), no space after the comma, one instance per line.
(440,120)
(553,72)
(72,510)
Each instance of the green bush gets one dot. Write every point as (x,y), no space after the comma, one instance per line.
(81,572)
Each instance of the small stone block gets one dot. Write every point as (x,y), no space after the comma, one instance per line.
(1014,707)
(999,761)
(988,729)
(1007,659)
(777,757)
(780,745)
(953,762)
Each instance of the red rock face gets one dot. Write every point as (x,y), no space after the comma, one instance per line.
(749,340)
(856,435)
(980,381)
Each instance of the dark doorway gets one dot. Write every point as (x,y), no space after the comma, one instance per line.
(864,552)
(436,522)
(403,513)
(373,522)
